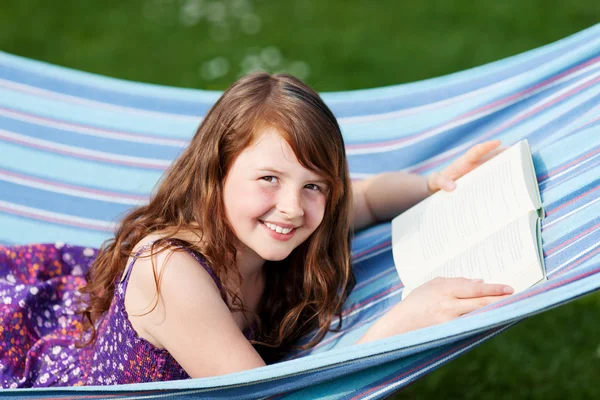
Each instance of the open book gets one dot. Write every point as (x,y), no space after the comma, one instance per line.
(487,228)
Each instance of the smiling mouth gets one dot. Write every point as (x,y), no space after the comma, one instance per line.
(278,229)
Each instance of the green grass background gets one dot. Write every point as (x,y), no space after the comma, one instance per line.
(337,45)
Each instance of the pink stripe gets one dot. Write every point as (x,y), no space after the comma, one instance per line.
(554,210)
(54,220)
(535,87)
(576,89)
(372,249)
(473,112)
(563,167)
(73,187)
(585,257)
(573,239)
(68,98)
(138,164)
(506,125)
(372,298)
(28,116)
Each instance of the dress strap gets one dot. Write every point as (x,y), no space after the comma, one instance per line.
(129,267)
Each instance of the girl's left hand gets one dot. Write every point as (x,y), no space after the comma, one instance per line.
(473,158)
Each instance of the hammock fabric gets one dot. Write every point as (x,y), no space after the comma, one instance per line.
(77,150)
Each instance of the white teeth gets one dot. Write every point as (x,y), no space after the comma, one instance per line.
(278,229)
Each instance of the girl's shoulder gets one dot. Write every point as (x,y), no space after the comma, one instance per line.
(160,252)
(163,275)
(156,246)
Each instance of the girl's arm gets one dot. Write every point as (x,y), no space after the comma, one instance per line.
(382,197)
(190,320)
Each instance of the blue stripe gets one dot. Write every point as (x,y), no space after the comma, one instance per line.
(61,203)
(89,142)
(17,230)
(77,171)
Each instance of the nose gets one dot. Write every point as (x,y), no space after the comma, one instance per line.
(290,204)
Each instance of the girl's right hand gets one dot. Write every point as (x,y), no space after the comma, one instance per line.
(436,301)
(444,299)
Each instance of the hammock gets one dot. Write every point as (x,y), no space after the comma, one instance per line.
(77,150)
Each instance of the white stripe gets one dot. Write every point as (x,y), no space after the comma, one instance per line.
(439,104)
(104,225)
(371,255)
(570,244)
(91,131)
(70,191)
(424,135)
(465,120)
(549,139)
(566,171)
(584,206)
(570,260)
(86,152)
(459,149)
(92,103)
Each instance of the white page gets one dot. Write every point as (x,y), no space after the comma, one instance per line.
(508,256)
(445,224)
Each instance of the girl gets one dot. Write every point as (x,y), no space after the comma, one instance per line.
(243,248)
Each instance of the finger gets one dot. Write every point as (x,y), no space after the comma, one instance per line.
(491,154)
(471,159)
(441,181)
(465,306)
(475,153)
(473,289)
(481,149)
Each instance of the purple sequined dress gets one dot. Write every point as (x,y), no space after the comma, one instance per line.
(39,326)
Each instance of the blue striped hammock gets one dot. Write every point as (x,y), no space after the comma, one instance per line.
(77,150)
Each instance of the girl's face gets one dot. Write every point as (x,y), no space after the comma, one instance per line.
(272,202)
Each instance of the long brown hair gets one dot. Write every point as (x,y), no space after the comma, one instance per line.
(307,289)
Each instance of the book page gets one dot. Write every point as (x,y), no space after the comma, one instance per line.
(447,223)
(508,256)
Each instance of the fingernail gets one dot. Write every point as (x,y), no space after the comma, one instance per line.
(449,184)
(508,289)
(477,280)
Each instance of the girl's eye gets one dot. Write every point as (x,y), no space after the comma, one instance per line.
(271,179)
(312,186)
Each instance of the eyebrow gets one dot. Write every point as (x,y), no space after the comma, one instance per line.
(277,172)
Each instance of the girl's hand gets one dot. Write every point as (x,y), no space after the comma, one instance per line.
(473,158)
(444,299)
(437,301)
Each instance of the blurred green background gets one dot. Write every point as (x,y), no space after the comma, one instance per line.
(337,45)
